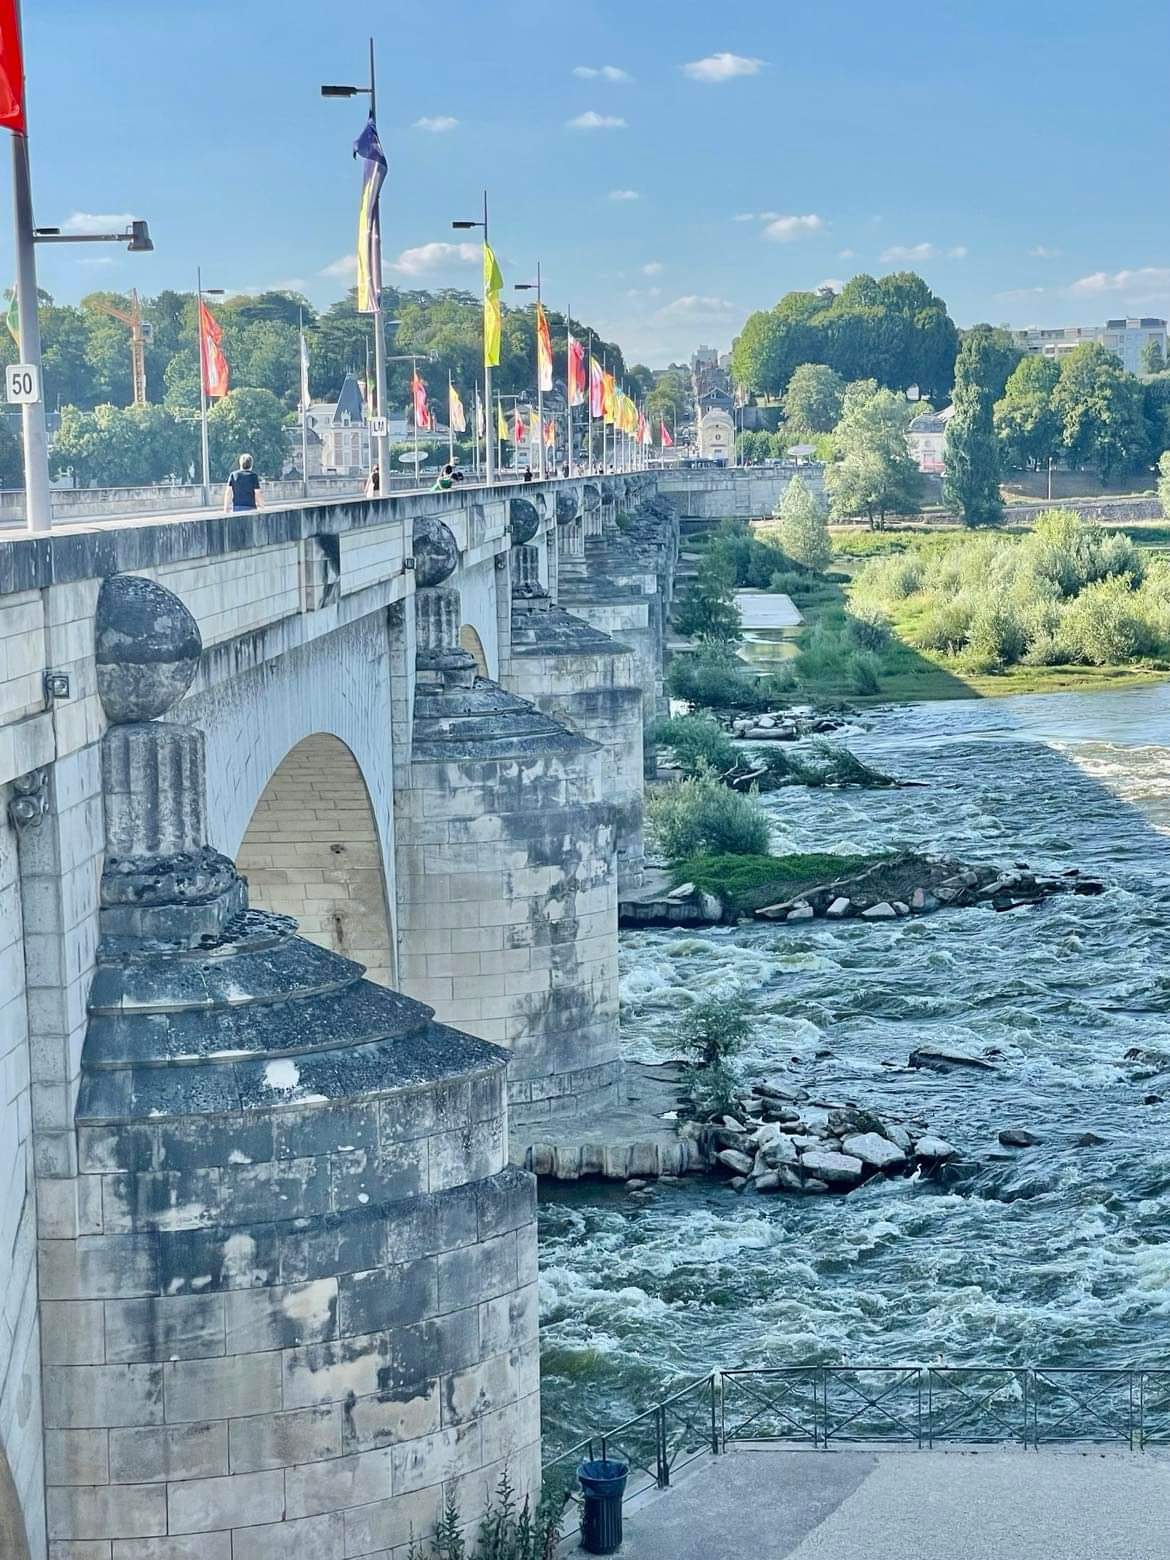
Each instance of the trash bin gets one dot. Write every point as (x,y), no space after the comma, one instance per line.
(603,1484)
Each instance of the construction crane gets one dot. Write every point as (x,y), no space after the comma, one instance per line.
(141,334)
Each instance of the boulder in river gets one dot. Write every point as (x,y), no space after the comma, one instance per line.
(832,1168)
(733,1160)
(875,1151)
(882,912)
(935,1148)
(939,1058)
(839,908)
(1019,1137)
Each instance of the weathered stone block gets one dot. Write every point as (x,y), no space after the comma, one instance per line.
(467,1394)
(195,1451)
(108,1511)
(97,1267)
(226,1388)
(72,1332)
(477,1273)
(281,1317)
(77,1457)
(436,1458)
(187,1546)
(93,1396)
(164,1328)
(340,1482)
(388,1297)
(311,1538)
(239,1500)
(508,1321)
(390,1417)
(283,1439)
(392,1524)
(506,1202)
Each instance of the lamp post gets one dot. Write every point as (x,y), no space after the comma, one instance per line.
(381,448)
(202,292)
(489,452)
(535,287)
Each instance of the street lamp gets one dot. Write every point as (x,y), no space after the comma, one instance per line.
(490,453)
(337,90)
(535,287)
(136,238)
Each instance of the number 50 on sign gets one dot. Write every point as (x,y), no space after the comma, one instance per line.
(22,383)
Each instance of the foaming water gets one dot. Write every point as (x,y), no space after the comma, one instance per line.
(1061,1252)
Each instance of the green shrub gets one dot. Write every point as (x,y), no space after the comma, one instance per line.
(714,678)
(826,653)
(1107,623)
(869,628)
(713,1029)
(507,1531)
(891,578)
(701,816)
(696,743)
(862,673)
(804,531)
(713,1091)
(946,628)
(996,637)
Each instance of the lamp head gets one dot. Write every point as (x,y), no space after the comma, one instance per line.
(141,242)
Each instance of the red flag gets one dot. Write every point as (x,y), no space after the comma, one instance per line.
(576,372)
(550,433)
(643,434)
(667,441)
(518,428)
(422,414)
(544,352)
(11,70)
(212,364)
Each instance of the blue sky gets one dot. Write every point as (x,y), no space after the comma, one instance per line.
(1013,153)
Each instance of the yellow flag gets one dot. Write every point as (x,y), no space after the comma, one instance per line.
(493,282)
(501,424)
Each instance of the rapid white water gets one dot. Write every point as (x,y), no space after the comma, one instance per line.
(1058,1253)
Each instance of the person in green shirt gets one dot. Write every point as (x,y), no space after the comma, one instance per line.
(444,480)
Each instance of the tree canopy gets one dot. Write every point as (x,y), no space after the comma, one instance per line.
(874,474)
(971,454)
(893,329)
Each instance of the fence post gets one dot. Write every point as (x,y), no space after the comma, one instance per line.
(660,1438)
(716,1381)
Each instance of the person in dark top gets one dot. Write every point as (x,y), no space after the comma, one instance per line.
(528,473)
(243,487)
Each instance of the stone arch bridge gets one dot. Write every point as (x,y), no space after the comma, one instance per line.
(313,831)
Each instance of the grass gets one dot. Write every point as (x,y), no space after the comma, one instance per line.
(729,877)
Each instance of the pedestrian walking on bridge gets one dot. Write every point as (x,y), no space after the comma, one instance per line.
(243,487)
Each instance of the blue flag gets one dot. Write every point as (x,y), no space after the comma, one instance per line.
(369,238)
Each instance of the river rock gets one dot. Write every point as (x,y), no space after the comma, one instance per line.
(1088,1140)
(931,1147)
(900,1136)
(1018,1137)
(874,1150)
(683,891)
(839,907)
(733,1160)
(938,1058)
(805,1140)
(833,1168)
(766,722)
(801,913)
(769,1090)
(882,912)
(814,1187)
(768,1183)
(901,907)
(922,901)
(780,1152)
(710,907)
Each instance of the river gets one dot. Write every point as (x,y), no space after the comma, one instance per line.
(1058,1253)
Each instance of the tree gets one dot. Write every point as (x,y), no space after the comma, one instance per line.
(11,457)
(1164,483)
(707,609)
(804,532)
(122,446)
(1153,357)
(1026,423)
(1102,411)
(250,421)
(874,473)
(970,452)
(814,398)
(671,397)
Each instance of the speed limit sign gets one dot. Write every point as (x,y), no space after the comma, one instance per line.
(22,383)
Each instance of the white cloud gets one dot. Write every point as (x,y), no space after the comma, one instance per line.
(1043,252)
(783,230)
(834,283)
(695,307)
(1147,281)
(97,221)
(604,72)
(624,195)
(909,252)
(846,254)
(437,124)
(344,265)
(957,252)
(593,121)
(722,67)
(426,258)
(744,216)
(653,268)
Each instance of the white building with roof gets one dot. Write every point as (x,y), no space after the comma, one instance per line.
(926,439)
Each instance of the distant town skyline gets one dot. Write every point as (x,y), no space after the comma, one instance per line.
(670,170)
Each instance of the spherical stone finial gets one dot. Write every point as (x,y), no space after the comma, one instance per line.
(147,648)
(524,520)
(436,552)
(567,507)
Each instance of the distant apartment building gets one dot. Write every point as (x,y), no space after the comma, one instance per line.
(1126,339)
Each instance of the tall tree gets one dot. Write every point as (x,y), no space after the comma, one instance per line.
(1153,357)
(1102,412)
(1026,423)
(814,398)
(246,421)
(873,474)
(804,532)
(970,452)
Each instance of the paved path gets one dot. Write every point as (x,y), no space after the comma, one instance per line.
(907,1505)
(767,609)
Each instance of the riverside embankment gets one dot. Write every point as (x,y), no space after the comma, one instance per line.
(1056,1252)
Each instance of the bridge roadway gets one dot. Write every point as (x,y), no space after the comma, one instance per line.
(908,1505)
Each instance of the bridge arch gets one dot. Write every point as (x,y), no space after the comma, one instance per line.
(311,850)
(470,641)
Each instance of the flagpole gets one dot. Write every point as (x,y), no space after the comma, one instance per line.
(414,415)
(589,399)
(202,388)
(496,440)
(604,461)
(304,413)
(450,424)
(476,434)
(569,388)
(487,371)
(381,441)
